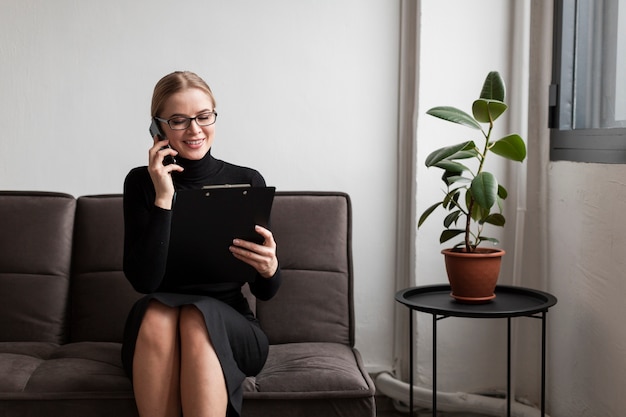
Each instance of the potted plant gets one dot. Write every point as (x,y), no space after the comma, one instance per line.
(473,196)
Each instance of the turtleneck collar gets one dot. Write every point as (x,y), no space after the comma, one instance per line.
(197,172)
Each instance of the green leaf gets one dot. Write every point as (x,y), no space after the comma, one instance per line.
(493,87)
(449,177)
(488,239)
(453,166)
(427,213)
(511,147)
(502,192)
(484,189)
(479,213)
(449,234)
(495,219)
(486,111)
(451,198)
(465,154)
(455,199)
(444,153)
(452,218)
(453,179)
(454,115)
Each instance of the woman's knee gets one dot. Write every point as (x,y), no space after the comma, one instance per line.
(159,325)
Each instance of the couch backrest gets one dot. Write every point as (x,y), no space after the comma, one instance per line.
(313,232)
(35,253)
(100,296)
(315,303)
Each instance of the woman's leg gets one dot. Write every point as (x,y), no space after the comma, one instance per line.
(156,363)
(203,387)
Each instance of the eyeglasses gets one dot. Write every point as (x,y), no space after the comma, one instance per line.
(182,123)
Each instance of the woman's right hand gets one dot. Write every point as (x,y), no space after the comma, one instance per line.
(160,174)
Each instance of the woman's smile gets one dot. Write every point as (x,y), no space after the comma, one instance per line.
(194,143)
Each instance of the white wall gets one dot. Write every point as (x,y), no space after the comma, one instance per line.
(306,91)
(587,252)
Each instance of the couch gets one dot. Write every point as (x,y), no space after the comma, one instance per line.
(64,301)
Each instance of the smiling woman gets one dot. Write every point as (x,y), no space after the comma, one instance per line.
(188,347)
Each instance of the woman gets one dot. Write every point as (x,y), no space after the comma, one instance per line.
(188,347)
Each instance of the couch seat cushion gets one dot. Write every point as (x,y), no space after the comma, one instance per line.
(311,370)
(32,369)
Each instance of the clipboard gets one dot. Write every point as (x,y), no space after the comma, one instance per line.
(204,224)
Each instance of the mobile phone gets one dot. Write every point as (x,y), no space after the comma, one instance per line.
(155,130)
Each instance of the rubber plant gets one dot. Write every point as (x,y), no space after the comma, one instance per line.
(473,196)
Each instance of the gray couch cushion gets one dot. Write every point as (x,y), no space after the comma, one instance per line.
(35,370)
(18,361)
(314,370)
(314,303)
(100,293)
(313,379)
(76,379)
(35,254)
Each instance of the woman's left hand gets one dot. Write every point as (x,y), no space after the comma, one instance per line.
(261,257)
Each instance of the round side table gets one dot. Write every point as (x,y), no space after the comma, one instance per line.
(509,302)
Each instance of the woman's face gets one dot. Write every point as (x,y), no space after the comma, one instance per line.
(194,142)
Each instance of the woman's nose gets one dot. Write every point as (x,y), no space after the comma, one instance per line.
(194,126)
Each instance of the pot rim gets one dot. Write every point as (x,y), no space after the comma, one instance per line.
(480,252)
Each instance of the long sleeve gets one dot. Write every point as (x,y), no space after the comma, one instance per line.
(146,235)
(264,288)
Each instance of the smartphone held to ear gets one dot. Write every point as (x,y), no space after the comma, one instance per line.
(155,130)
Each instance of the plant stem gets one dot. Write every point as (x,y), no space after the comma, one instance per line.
(468,243)
(468,246)
(484,154)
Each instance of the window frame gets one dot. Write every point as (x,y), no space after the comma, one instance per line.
(598,145)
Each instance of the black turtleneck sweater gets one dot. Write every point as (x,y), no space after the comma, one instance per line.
(147,227)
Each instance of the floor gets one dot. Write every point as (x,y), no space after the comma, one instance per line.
(385,408)
(426,413)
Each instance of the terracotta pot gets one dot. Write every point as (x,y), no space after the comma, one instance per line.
(473,276)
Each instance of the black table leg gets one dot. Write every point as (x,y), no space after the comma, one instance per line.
(508,367)
(543,364)
(434,365)
(411,362)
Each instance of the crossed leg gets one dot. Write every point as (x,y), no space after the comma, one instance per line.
(203,387)
(175,367)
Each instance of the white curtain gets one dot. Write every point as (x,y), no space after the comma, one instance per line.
(407,141)
(532,252)
(538,138)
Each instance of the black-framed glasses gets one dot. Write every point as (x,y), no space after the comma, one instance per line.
(182,123)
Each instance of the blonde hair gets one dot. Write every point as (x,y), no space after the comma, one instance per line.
(173,83)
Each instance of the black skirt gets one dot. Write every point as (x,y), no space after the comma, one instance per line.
(239,342)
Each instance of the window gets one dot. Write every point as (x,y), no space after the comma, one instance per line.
(588,91)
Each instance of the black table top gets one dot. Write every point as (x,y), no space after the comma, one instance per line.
(510,301)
